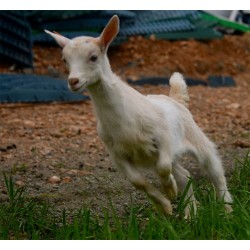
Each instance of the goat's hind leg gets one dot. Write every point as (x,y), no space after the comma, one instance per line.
(182,178)
(212,165)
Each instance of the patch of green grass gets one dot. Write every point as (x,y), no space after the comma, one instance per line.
(24,218)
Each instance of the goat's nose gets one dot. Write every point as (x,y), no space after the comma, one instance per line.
(73,81)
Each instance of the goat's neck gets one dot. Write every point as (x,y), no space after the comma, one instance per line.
(104,92)
(107,95)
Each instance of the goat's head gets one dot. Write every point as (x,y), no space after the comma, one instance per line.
(86,57)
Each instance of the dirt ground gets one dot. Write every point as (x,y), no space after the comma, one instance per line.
(53,149)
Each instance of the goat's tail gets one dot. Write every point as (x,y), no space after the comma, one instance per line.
(178,88)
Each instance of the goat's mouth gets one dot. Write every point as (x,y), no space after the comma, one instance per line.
(79,89)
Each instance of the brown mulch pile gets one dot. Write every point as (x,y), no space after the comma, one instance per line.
(147,57)
(227,56)
(39,141)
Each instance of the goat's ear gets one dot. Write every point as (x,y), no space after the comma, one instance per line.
(61,40)
(109,33)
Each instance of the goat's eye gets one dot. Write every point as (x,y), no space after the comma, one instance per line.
(93,58)
(64,60)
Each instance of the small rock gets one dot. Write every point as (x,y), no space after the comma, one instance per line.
(29,123)
(233,106)
(72,172)
(67,179)
(54,179)
(20,183)
(46,151)
(82,172)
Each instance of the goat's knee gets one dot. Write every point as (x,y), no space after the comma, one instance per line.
(164,169)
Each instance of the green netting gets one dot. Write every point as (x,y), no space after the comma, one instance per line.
(225,22)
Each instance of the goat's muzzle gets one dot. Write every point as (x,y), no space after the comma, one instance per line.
(73,81)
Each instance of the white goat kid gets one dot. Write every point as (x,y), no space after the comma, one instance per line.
(141,131)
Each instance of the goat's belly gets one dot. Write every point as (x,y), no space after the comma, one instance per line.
(144,161)
(142,156)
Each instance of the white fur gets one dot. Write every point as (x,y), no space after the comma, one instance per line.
(142,131)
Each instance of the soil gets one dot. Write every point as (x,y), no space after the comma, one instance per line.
(59,140)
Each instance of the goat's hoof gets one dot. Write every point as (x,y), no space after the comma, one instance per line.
(171,193)
(171,189)
(191,210)
(168,210)
(228,208)
(187,216)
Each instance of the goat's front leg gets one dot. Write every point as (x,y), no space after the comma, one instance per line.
(140,182)
(164,170)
